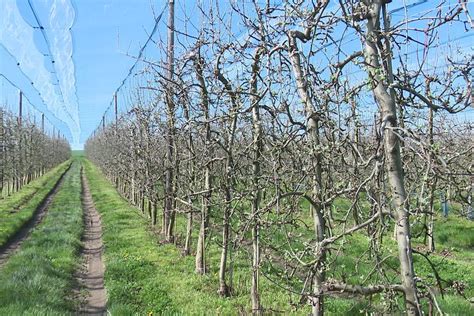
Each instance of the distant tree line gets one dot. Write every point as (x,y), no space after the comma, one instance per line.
(26,151)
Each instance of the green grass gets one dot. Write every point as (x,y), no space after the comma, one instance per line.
(454,239)
(38,279)
(143,276)
(18,208)
(77,153)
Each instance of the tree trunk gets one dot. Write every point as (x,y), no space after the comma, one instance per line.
(224,289)
(200,251)
(229,174)
(393,157)
(356,141)
(154,214)
(191,167)
(200,263)
(256,191)
(189,232)
(432,182)
(312,123)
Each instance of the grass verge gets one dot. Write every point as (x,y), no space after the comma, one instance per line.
(38,279)
(18,208)
(143,276)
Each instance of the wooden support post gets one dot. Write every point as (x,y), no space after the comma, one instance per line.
(43,167)
(20,109)
(19,173)
(169,176)
(115,108)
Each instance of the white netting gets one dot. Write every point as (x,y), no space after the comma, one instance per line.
(18,38)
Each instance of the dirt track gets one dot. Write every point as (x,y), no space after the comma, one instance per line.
(14,243)
(91,276)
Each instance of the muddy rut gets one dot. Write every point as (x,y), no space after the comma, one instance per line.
(91,275)
(14,243)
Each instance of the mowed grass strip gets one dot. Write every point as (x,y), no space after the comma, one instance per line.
(38,279)
(18,208)
(144,277)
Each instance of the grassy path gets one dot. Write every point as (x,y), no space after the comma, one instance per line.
(38,279)
(132,278)
(91,275)
(145,277)
(18,208)
(14,242)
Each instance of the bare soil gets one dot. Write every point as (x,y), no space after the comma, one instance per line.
(91,275)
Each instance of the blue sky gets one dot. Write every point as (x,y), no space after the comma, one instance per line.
(103,32)
(100,34)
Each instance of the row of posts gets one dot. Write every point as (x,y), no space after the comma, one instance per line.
(18,182)
(115,112)
(20,118)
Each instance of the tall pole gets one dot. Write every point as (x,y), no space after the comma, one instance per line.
(43,156)
(115,108)
(20,147)
(171,40)
(20,109)
(168,210)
